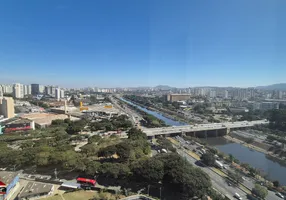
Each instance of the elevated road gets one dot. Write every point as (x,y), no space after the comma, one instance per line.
(201,128)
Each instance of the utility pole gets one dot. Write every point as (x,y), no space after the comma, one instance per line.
(148,189)
(160,193)
(56,173)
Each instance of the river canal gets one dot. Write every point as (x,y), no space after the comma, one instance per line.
(274,170)
(167,121)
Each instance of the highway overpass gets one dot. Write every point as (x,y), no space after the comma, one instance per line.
(201,130)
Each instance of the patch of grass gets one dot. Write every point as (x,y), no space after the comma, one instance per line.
(79,195)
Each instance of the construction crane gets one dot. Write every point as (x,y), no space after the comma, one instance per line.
(82,108)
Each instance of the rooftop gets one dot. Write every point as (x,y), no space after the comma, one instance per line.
(20,121)
(7,177)
(36,188)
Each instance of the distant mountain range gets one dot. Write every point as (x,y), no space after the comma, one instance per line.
(278,86)
(163,87)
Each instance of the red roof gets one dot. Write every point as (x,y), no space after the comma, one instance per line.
(86,180)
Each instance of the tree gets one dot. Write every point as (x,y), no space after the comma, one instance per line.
(136,134)
(114,170)
(166,144)
(276,183)
(92,167)
(235,176)
(73,129)
(231,157)
(249,140)
(182,179)
(89,149)
(151,170)
(260,191)
(57,122)
(208,159)
(245,165)
(94,139)
(107,151)
(123,151)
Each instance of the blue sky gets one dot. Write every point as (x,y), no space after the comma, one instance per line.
(108,43)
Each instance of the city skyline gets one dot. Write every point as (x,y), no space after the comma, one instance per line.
(147,43)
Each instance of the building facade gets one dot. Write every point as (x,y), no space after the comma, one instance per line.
(7,107)
(37,89)
(27,90)
(178,97)
(18,91)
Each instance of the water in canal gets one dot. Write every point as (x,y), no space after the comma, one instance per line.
(167,121)
(274,170)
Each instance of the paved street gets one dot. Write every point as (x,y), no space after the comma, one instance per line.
(219,182)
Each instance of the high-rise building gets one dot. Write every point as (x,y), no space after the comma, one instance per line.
(37,89)
(62,93)
(41,89)
(27,90)
(50,90)
(58,94)
(1,91)
(226,94)
(18,91)
(212,94)
(7,89)
(280,94)
(7,107)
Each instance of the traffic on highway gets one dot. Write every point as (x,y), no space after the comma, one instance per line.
(192,152)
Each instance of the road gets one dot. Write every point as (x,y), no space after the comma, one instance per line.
(219,181)
(135,117)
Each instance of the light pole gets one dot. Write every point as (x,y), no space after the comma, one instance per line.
(160,192)
(148,189)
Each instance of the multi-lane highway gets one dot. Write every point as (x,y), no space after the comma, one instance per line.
(218,181)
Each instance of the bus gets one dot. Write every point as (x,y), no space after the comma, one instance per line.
(86,181)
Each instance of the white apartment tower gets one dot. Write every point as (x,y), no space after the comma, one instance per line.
(18,91)
(27,90)
(58,94)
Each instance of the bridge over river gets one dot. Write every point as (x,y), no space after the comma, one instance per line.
(201,130)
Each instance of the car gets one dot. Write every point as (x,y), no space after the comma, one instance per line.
(229,184)
(243,178)
(279,195)
(237,196)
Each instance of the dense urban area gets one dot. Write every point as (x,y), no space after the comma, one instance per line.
(142,143)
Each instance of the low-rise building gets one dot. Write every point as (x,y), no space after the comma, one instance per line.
(10,179)
(36,190)
(178,97)
(269,105)
(19,125)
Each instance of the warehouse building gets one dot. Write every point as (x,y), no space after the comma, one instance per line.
(35,190)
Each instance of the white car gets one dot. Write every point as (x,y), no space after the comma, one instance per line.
(279,195)
(236,195)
